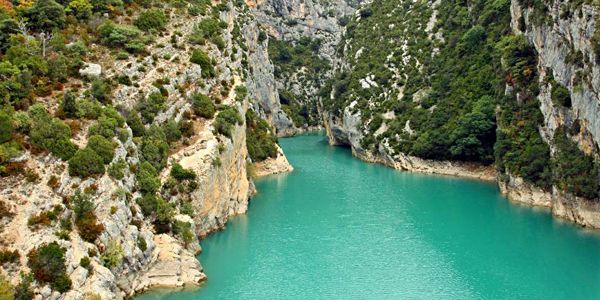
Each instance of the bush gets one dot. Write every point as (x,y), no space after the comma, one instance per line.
(200,58)
(151,19)
(69,105)
(150,106)
(148,204)
(46,15)
(100,91)
(23,290)
(113,256)
(47,263)
(227,118)
(103,147)
(179,173)
(260,140)
(81,9)
(6,127)
(561,95)
(7,291)
(203,106)
(154,148)
(135,123)
(86,162)
(117,169)
(9,257)
(147,179)
(114,35)
(50,134)
(85,219)
(172,131)
(574,171)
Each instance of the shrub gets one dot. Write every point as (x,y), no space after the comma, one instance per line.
(141,243)
(135,123)
(200,58)
(50,134)
(574,171)
(183,230)
(9,257)
(114,35)
(561,95)
(147,178)
(85,262)
(148,204)
(85,219)
(69,105)
(151,19)
(23,290)
(155,148)
(7,291)
(113,256)
(150,106)
(6,127)
(179,173)
(260,141)
(203,106)
(117,169)
(172,131)
(81,9)
(100,91)
(103,147)
(227,118)
(209,28)
(47,263)
(85,163)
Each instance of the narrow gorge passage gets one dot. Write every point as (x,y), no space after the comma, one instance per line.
(338,228)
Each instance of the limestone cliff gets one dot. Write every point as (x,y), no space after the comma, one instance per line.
(141,256)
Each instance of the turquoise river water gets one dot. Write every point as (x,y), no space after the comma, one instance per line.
(339,228)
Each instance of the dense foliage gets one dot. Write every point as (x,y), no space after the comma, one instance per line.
(260,140)
(47,263)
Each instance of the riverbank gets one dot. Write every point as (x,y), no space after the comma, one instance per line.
(568,207)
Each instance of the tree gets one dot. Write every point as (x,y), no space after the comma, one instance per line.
(155,148)
(151,19)
(46,15)
(81,9)
(147,179)
(226,120)
(102,146)
(85,163)
(69,105)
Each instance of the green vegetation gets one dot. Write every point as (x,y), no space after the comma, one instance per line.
(102,146)
(200,58)
(151,19)
(203,106)
(260,140)
(208,30)
(86,162)
(226,120)
(48,133)
(150,106)
(113,255)
(575,172)
(85,219)
(561,95)
(7,291)
(47,263)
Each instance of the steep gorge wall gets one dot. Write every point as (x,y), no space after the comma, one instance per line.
(556,41)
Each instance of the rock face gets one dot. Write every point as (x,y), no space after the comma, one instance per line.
(272,166)
(148,259)
(556,41)
(290,21)
(91,70)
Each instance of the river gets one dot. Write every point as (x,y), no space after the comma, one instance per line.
(339,228)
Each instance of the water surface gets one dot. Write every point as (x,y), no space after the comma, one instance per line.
(338,228)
